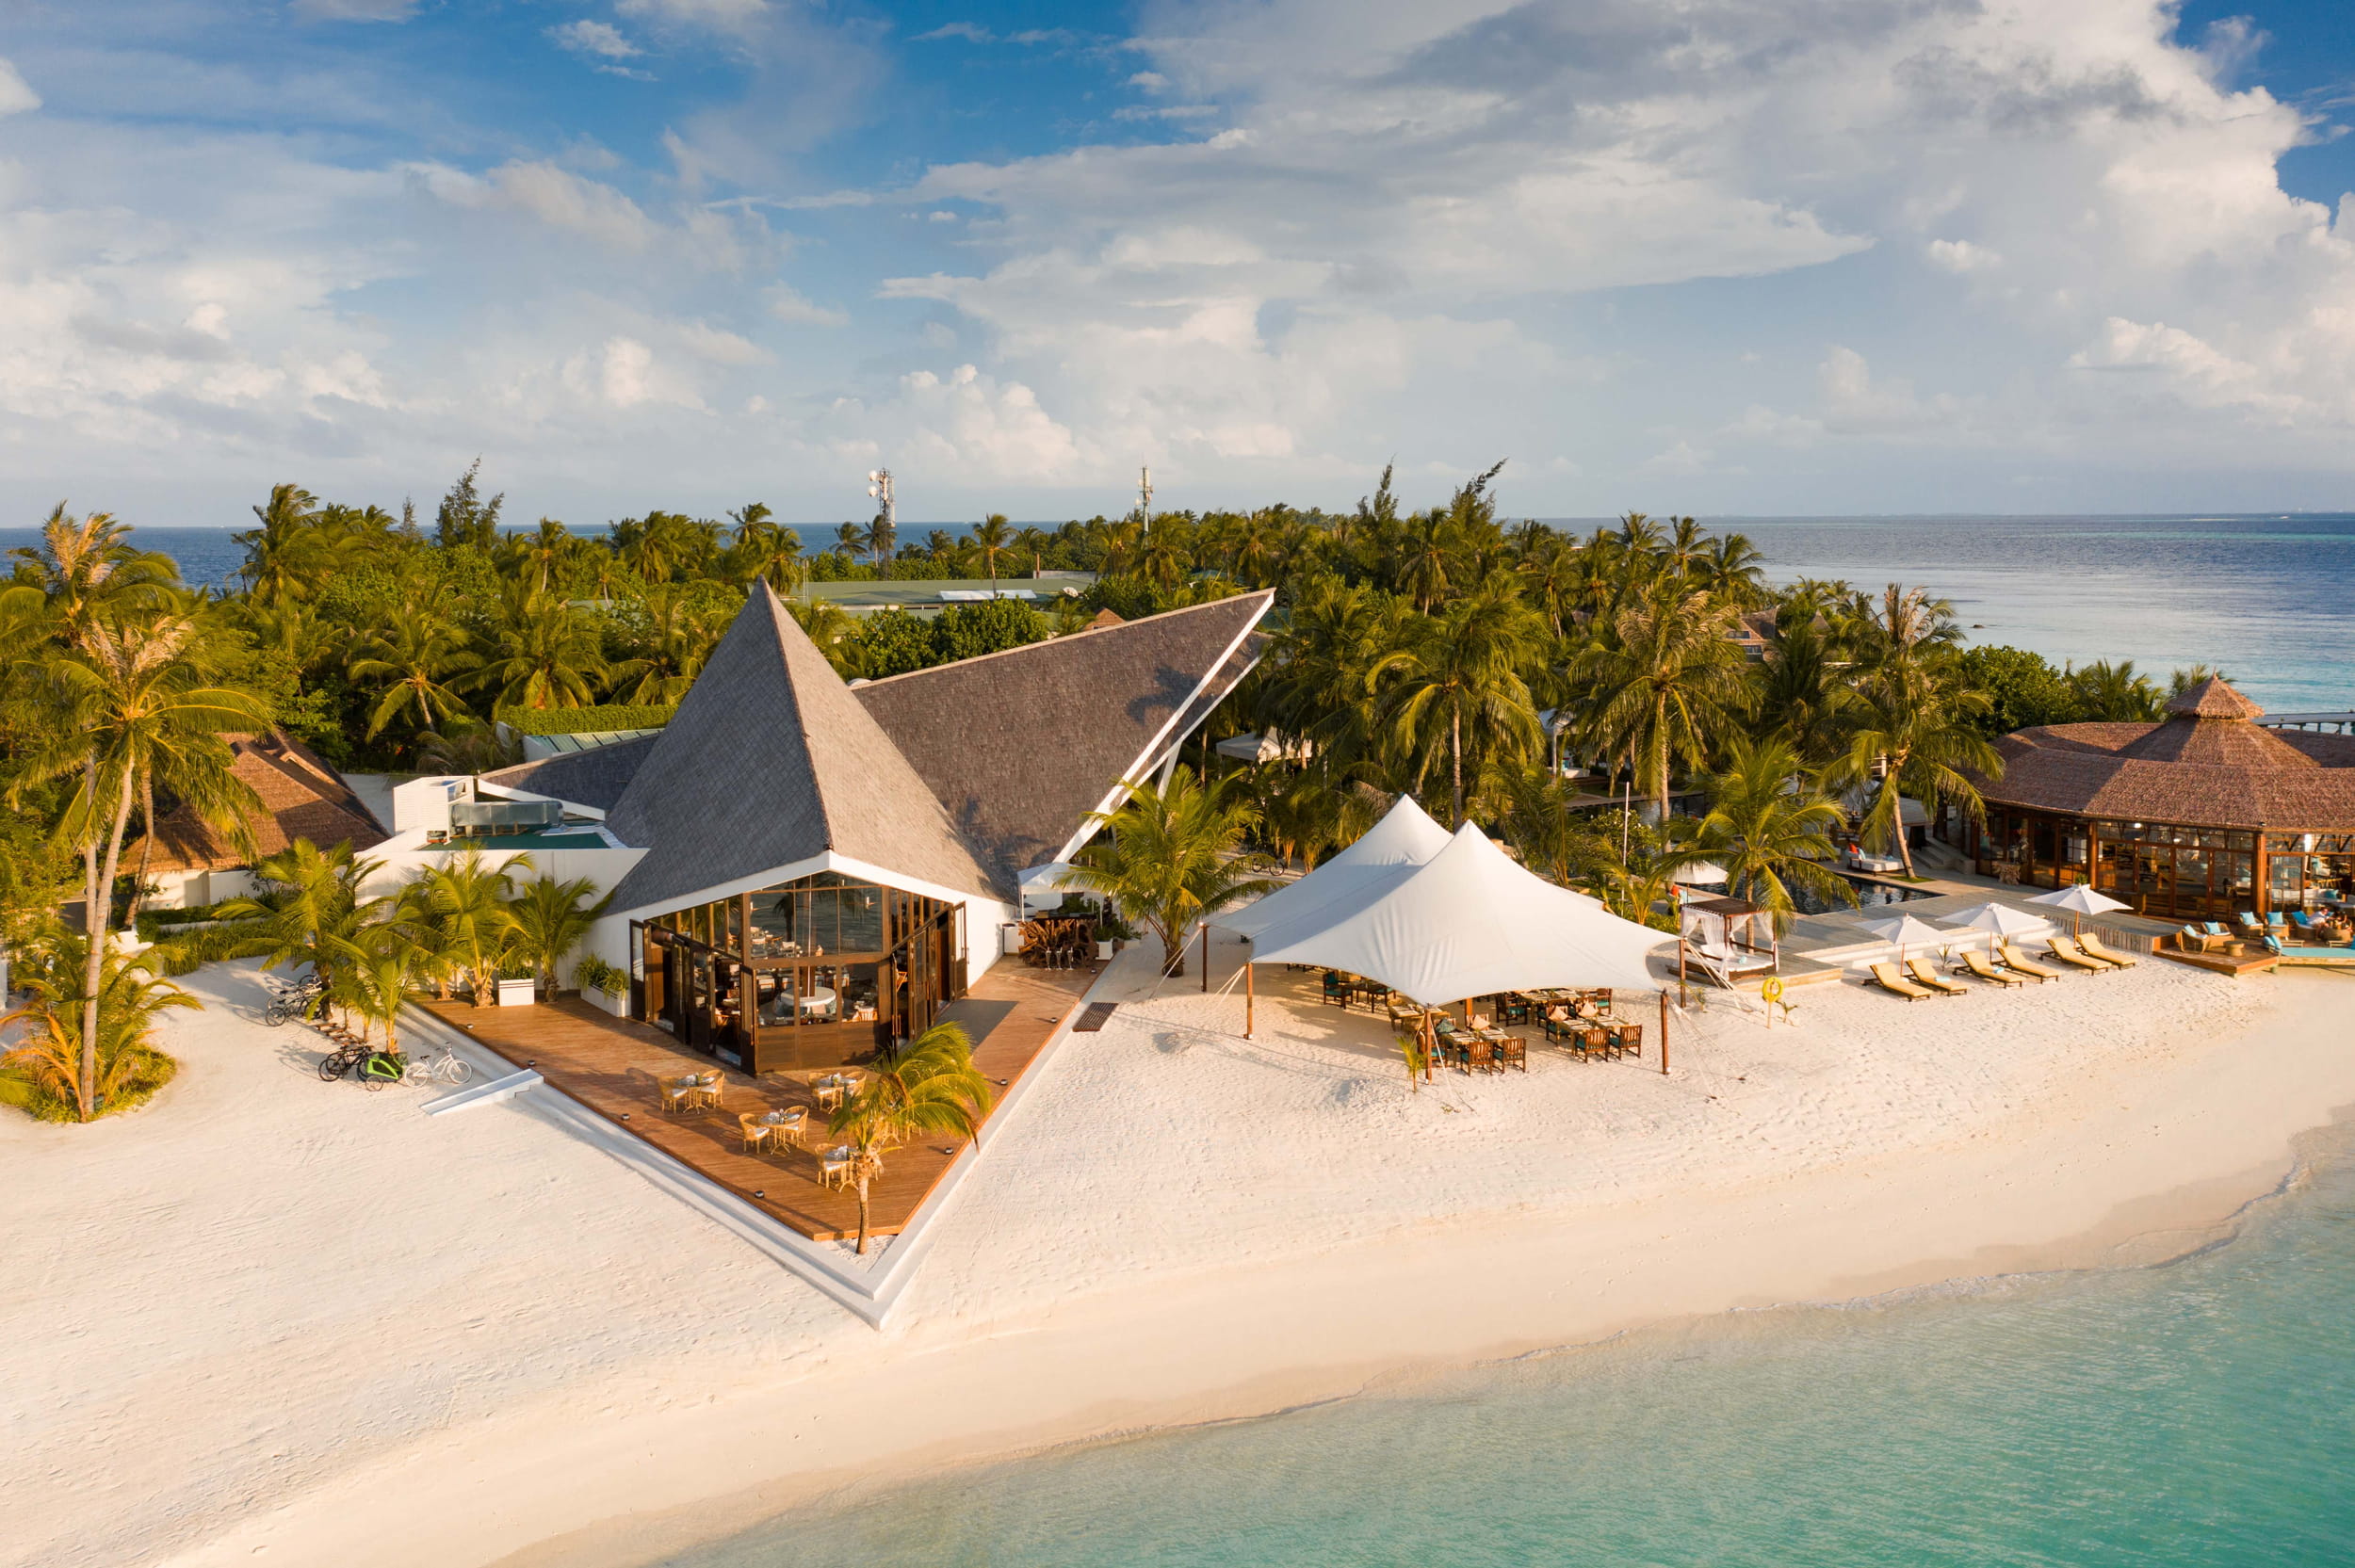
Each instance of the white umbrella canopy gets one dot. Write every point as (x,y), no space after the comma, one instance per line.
(1402,840)
(2077,899)
(1042,884)
(1906,931)
(1700,874)
(1469,922)
(2001,919)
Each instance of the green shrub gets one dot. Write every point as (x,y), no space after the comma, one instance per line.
(617,716)
(594,973)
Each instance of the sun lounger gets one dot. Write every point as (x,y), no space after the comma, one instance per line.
(2092,945)
(1921,971)
(2066,950)
(2019,964)
(1886,977)
(1976,962)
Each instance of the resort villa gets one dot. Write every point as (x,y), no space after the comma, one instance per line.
(805,871)
(190,862)
(2204,814)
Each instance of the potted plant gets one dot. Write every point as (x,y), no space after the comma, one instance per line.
(602,984)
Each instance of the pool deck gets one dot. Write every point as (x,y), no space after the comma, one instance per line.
(609,1065)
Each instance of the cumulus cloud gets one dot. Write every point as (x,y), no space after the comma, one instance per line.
(555,196)
(16,95)
(787,304)
(601,40)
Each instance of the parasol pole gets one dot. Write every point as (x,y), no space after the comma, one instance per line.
(1246,998)
(1663,1031)
(1205,955)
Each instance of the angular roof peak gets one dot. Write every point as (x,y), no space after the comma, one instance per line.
(2213,699)
(771,761)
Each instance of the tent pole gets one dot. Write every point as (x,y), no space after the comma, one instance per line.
(1246,998)
(1663,1031)
(1205,955)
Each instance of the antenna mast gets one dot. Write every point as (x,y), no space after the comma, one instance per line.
(1144,495)
(883,534)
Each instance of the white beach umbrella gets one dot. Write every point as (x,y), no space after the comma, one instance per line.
(2079,900)
(2001,919)
(1701,873)
(1906,931)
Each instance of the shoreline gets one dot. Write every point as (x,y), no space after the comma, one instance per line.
(2132,1163)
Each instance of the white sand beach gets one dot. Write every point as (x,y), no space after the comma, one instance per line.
(270,1318)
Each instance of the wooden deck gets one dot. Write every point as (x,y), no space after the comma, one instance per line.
(2244,963)
(609,1065)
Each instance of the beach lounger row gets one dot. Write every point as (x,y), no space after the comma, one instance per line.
(2007,967)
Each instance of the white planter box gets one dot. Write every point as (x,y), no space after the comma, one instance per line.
(1104,948)
(617,1006)
(515,994)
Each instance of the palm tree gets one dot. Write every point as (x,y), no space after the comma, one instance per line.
(993,538)
(1165,549)
(123,709)
(763,550)
(374,985)
(543,654)
(1173,858)
(285,557)
(1666,684)
(459,914)
(1916,737)
(1770,827)
(673,634)
(2115,692)
(930,1089)
(415,657)
(1799,697)
(86,568)
(87,1043)
(309,911)
(551,919)
(1466,667)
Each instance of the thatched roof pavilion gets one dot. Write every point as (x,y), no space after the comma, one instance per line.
(2204,814)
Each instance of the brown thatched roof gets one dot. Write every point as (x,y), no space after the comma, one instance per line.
(1020,746)
(2205,766)
(301,797)
(770,761)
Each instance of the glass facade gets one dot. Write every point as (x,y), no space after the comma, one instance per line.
(2164,869)
(818,971)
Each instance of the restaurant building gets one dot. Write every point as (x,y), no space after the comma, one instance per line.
(805,871)
(2201,816)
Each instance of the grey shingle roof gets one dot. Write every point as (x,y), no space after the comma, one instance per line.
(768,761)
(595,778)
(1020,746)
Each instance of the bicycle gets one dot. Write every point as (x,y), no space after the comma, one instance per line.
(291,1004)
(447,1068)
(342,1059)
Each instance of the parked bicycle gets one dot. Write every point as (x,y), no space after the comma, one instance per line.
(291,1002)
(447,1068)
(342,1059)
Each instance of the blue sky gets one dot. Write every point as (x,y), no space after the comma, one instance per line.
(1730,256)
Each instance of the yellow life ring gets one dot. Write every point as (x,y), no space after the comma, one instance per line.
(1772,990)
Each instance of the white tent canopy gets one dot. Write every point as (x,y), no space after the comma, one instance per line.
(1403,839)
(1467,922)
(1042,884)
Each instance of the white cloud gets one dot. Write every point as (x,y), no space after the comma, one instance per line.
(598,39)
(555,196)
(719,346)
(356,10)
(16,95)
(1961,255)
(787,304)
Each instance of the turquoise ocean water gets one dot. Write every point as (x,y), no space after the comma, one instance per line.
(2197,1414)
(2271,598)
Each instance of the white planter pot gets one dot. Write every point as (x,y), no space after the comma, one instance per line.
(617,1006)
(1104,948)
(516,993)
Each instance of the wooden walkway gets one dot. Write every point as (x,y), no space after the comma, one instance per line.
(609,1065)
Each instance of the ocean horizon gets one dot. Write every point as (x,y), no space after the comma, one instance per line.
(2268,598)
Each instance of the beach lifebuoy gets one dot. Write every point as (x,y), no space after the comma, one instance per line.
(1772,990)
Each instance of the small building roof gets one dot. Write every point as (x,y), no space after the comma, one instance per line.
(771,761)
(2213,699)
(302,797)
(595,778)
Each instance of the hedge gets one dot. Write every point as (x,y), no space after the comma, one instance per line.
(619,716)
